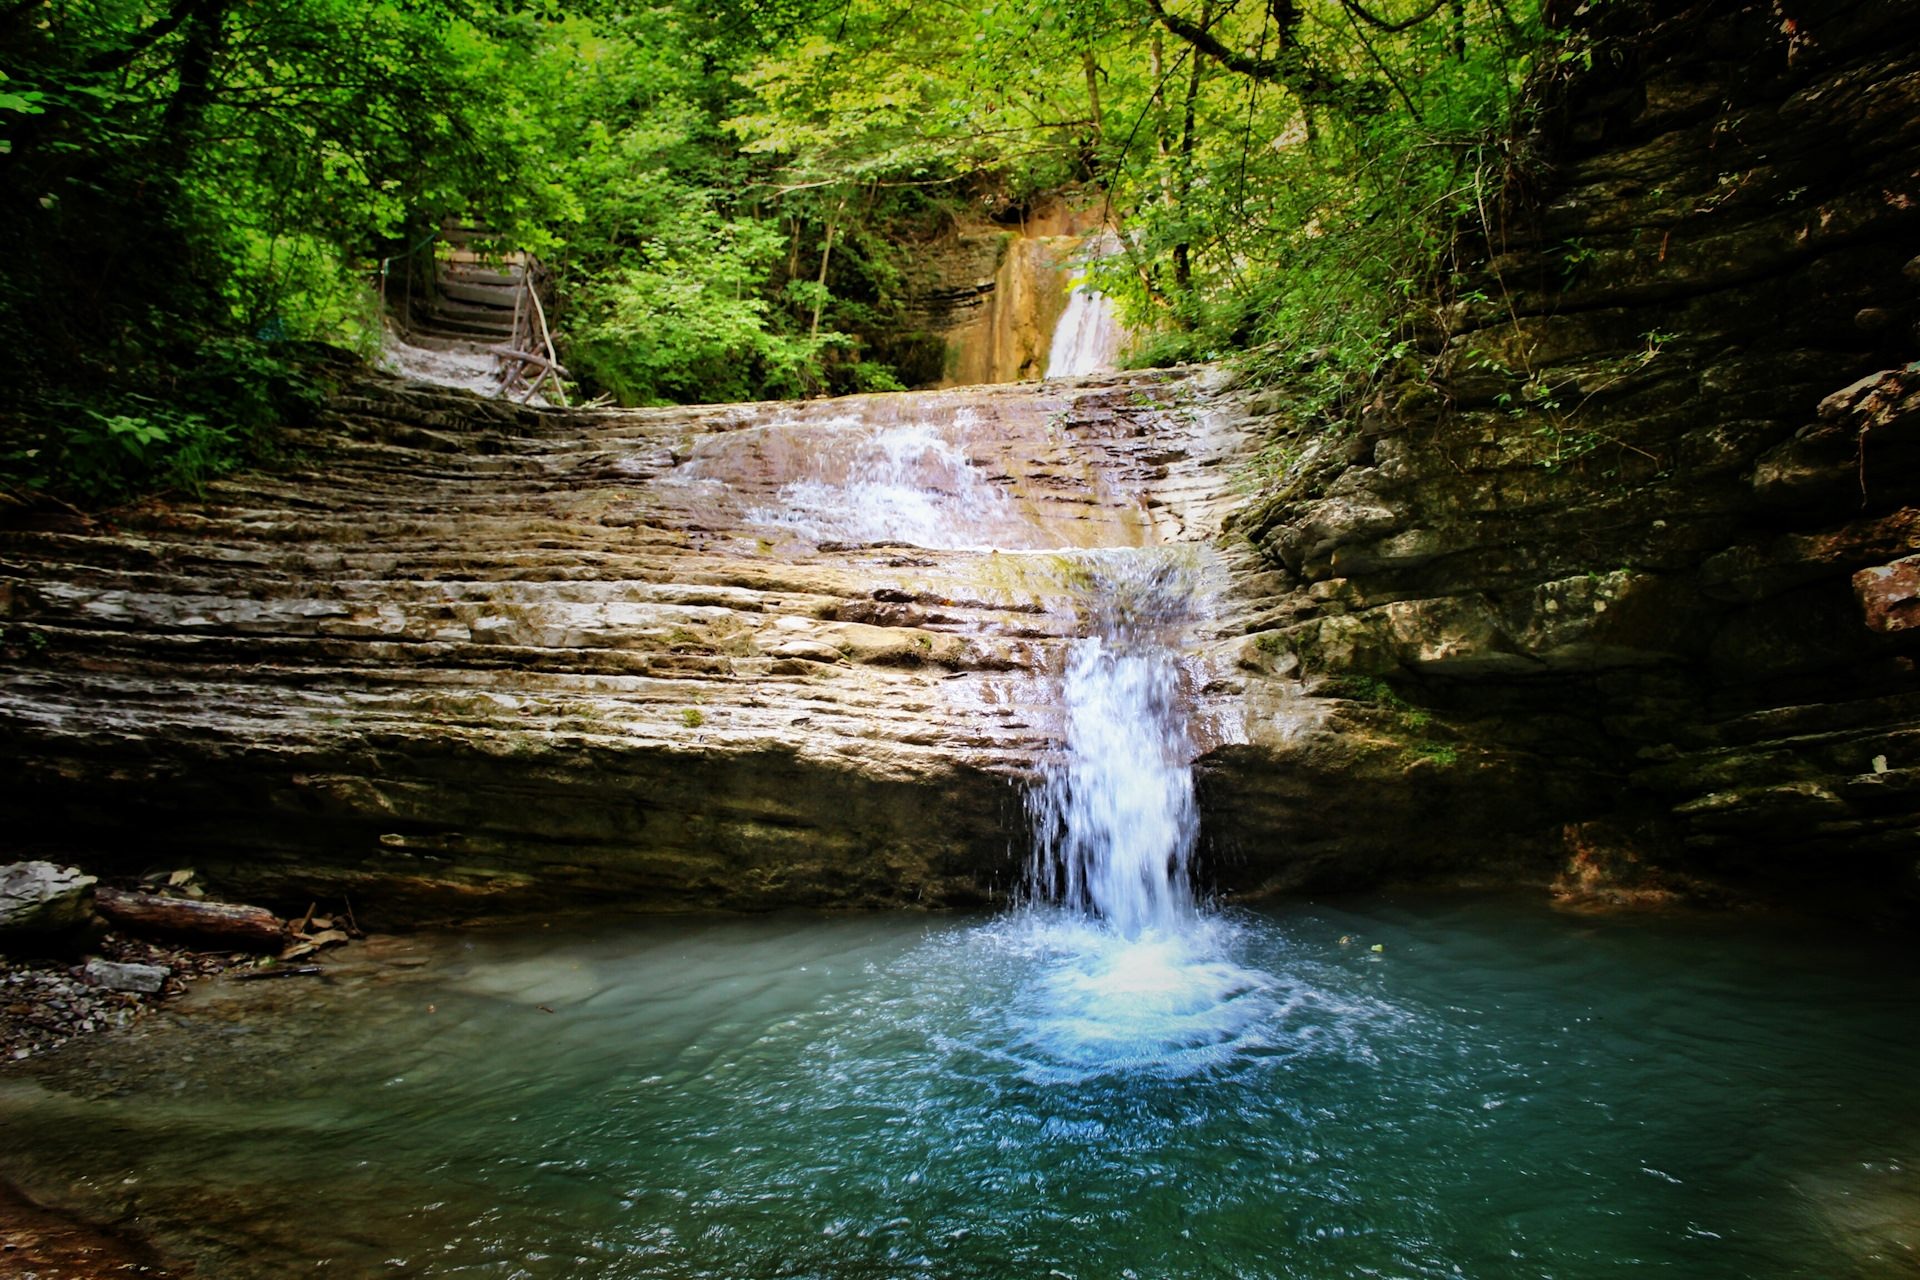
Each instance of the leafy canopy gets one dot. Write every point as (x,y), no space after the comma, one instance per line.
(731,194)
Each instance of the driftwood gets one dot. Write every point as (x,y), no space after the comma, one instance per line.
(220,923)
(527,357)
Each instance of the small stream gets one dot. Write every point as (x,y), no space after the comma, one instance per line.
(1498,1091)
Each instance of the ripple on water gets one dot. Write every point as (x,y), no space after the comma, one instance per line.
(1070,1000)
(1499,1093)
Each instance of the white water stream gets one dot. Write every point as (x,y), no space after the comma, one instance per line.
(1124,970)
(1088,337)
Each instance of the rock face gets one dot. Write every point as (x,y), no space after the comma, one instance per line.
(472,654)
(40,901)
(1639,546)
(1613,590)
(989,297)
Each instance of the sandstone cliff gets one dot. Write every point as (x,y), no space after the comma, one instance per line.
(465,654)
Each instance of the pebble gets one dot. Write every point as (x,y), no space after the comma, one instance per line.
(45,1003)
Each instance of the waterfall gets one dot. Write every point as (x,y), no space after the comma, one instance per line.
(1087,338)
(1114,818)
(1129,975)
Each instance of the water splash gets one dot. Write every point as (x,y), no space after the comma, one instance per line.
(1168,1002)
(1132,975)
(1114,819)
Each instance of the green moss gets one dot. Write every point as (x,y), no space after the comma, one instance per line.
(1373,690)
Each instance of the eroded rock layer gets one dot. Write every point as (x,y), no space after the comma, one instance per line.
(743,656)
(1616,586)
(1633,553)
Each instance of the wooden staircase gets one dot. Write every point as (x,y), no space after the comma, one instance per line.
(453,297)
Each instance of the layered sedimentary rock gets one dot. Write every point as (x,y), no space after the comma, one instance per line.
(1632,551)
(464,651)
(1617,585)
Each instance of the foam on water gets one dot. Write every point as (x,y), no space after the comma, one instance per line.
(1094,1002)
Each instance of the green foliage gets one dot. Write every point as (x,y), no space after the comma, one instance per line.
(190,190)
(731,195)
(1281,195)
(1381,694)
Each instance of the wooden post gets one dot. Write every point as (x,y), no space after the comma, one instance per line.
(540,313)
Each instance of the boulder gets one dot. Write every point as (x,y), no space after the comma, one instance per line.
(1890,594)
(40,901)
(147,979)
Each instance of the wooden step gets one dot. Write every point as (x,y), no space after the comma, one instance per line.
(441,326)
(485,295)
(509,277)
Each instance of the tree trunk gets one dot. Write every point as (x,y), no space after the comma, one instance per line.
(826,256)
(1091,160)
(221,924)
(205,32)
(1183,182)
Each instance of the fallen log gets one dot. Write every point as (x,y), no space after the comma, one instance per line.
(223,924)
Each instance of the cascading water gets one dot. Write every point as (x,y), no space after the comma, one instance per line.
(1112,1080)
(1088,336)
(1131,975)
(906,482)
(1114,819)
(1121,969)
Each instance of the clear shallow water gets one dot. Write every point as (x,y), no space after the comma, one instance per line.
(1500,1092)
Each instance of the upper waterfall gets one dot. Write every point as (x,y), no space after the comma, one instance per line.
(1087,338)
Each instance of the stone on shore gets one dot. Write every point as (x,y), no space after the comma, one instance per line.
(40,902)
(147,979)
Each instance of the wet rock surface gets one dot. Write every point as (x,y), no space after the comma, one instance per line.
(467,655)
(1610,589)
(38,1243)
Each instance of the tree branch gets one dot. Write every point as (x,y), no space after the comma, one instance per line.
(1359,10)
(142,40)
(1291,67)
